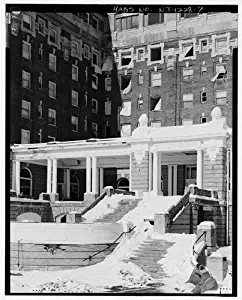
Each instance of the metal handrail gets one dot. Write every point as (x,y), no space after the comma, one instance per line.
(204,233)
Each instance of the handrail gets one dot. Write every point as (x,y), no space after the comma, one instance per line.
(99,198)
(91,256)
(182,202)
(204,233)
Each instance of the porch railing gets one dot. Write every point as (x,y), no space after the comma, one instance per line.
(175,209)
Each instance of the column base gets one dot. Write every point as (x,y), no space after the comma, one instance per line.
(155,193)
(89,198)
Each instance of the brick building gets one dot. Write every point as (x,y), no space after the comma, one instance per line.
(174,67)
(62,83)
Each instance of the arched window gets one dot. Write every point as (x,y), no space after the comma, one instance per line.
(26,182)
(123,184)
(74,188)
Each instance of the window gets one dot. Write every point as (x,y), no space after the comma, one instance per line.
(52,117)
(107,130)
(155,104)
(187,100)
(155,78)
(26,50)
(25,136)
(25,182)
(191,172)
(155,18)
(187,50)
(203,120)
(41,29)
(27,22)
(155,54)
(94,22)
(187,122)
(155,124)
(26,80)
(188,15)
(85,99)
(40,53)
(40,110)
(40,81)
(85,123)
(94,106)
(101,25)
(74,98)
(204,45)
(74,123)
(94,130)
(25,109)
(140,78)
(52,62)
(86,51)
(51,138)
(204,70)
(94,82)
(220,45)
(125,130)
(85,17)
(187,74)
(40,135)
(140,55)
(52,90)
(108,107)
(74,73)
(126,23)
(108,84)
(203,96)
(125,81)
(125,58)
(53,36)
(140,103)
(221,97)
(126,109)
(75,48)
(95,58)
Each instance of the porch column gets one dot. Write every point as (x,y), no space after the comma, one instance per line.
(200,168)
(17,177)
(49,172)
(159,172)
(155,171)
(14,175)
(101,179)
(54,179)
(169,180)
(68,183)
(175,180)
(88,174)
(94,175)
(130,171)
(150,171)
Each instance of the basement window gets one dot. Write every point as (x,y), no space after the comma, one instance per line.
(187,74)
(155,54)
(187,100)
(203,120)
(155,104)
(125,81)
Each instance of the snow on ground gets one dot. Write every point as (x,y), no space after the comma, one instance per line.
(147,207)
(106,206)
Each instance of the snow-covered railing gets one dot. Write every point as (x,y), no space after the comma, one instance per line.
(175,209)
(99,198)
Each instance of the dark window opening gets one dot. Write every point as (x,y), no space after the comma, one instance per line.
(189,15)
(154,102)
(107,131)
(63,219)
(155,18)
(203,97)
(94,59)
(94,23)
(140,103)
(125,80)
(190,52)
(203,120)
(204,45)
(125,59)
(155,54)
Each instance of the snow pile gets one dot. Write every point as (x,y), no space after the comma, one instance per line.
(147,208)
(106,206)
(176,262)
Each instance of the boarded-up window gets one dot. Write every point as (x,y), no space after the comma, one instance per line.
(221,97)
(187,100)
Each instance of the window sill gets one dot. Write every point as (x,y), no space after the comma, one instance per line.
(74,131)
(51,125)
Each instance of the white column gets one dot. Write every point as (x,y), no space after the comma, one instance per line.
(159,171)
(174,180)
(101,179)
(49,172)
(17,169)
(169,180)
(150,171)
(200,168)
(68,183)
(130,172)
(94,175)
(155,171)
(54,178)
(14,175)
(88,174)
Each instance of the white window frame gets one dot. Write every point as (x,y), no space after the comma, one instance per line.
(186,122)
(137,54)
(23,132)
(152,80)
(54,85)
(77,48)
(188,77)
(95,111)
(49,117)
(74,98)
(86,48)
(41,21)
(181,45)
(139,76)
(96,129)
(221,91)
(56,40)
(75,123)
(108,88)
(28,110)
(120,55)
(189,172)
(52,64)
(28,52)
(140,103)
(226,50)
(108,102)
(96,79)
(95,52)
(203,70)
(97,22)
(150,47)
(188,100)
(29,79)
(72,74)
(201,96)
(200,45)
(31,22)
(41,53)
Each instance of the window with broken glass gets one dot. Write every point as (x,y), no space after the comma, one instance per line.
(125,58)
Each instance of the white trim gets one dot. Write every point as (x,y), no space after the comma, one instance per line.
(150,47)
(137,54)
(75,67)
(184,42)
(54,85)
(220,36)
(27,132)
(200,45)
(120,52)
(27,178)
(29,109)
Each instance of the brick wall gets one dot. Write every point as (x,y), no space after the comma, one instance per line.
(140,173)
(215,173)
